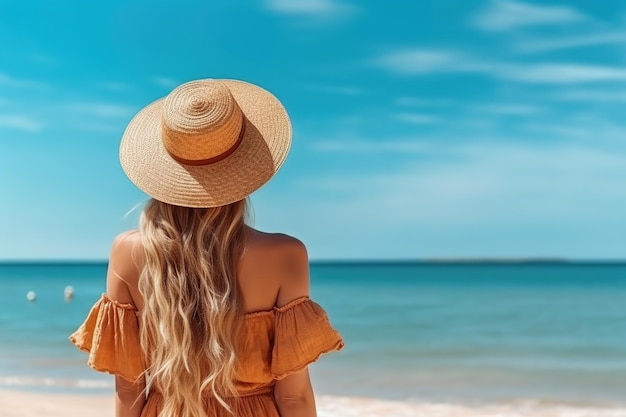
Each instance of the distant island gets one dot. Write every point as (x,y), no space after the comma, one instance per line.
(472,261)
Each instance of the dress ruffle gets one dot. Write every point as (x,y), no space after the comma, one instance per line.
(111,336)
(273,345)
(302,334)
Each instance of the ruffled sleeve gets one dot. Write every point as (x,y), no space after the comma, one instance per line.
(302,334)
(110,335)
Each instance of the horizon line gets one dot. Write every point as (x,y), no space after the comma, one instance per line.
(375,261)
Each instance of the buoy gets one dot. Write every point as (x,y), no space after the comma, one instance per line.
(31,296)
(68,294)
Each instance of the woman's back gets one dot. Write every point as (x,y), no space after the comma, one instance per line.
(272,271)
(282,331)
(202,313)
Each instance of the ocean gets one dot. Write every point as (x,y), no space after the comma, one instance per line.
(498,336)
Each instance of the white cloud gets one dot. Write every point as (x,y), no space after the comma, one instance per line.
(417,118)
(544,45)
(568,131)
(106,110)
(491,184)
(597,96)
(422,102)
(364,146)
(165,82)
(424,62)
(20,122)
(549,194)
(508,109)
(344,90)
(560,73)
(309,8)
(582,127)
(504,15)
(99,127)
(13,82)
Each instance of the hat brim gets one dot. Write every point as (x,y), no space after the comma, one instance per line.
(263,150)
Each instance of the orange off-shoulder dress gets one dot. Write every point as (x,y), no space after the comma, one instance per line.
(272,345)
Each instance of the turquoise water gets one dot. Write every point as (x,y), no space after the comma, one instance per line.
(469,333)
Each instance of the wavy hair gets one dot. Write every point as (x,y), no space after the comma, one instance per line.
(193,306)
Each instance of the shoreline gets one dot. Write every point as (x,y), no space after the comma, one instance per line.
(430,261)
(16,403)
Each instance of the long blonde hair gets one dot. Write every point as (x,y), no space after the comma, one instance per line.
(193,307)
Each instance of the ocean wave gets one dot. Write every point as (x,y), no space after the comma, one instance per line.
(44,382)
(331,406)
(339,406)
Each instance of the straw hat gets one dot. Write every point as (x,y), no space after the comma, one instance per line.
(207,144)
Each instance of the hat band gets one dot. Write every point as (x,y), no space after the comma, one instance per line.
(214,159)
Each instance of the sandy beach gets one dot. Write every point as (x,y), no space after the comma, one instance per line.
(27,404)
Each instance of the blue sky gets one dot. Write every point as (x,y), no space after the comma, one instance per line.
(427,129)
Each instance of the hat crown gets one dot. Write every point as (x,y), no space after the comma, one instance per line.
(201,121)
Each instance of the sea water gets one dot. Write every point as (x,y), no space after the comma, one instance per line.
(465,335)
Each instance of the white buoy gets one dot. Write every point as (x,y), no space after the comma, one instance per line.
(31,296)
(68,294)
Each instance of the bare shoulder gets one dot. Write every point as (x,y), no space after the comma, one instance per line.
(125,265)
(285,251)
(277,241)
(127,250)
(126,240)
(287,259)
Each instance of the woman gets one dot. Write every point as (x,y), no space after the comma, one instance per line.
(203,315)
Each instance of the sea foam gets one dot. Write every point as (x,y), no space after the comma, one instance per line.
(331,406)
